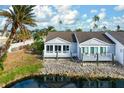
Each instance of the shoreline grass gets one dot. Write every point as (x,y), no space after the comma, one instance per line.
(7,77)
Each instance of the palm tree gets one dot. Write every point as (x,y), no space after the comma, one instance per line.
(20,15)
(22,35)
(79,30)
(91,30)
(68,30)
(60,23)
(51,29)
(118,28)
(104,28)
(96,19)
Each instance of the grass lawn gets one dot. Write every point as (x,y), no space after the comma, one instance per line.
(19,64)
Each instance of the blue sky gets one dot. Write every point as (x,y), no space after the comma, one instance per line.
(75,16)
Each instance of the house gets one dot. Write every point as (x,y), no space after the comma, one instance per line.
(86,46)
(62,44)
(89,44)
(118,39)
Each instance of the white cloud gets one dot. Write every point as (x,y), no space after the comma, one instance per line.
(91,24)
(88,20)
(105,23)
(66,14)
(43,13)
(62,8)
(102,15)
(51,15)
(55,19)
(84,16)
(70,18)
(102,9)
(119,8)
(93,11)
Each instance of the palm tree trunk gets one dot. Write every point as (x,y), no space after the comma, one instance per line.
(10,39)
(4,49)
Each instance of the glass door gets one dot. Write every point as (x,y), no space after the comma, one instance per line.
(85,50)
(102,50)
(93,50)
(57,48)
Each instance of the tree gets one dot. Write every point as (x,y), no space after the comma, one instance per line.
(60,23)
(79,30)
(19,15)
(38,44)
(96,19)
(49,29)
(118,28)
(22,35)
(91,30)
(104,28)
(68,30)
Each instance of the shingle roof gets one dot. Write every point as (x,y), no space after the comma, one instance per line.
(69,36)
(84,36)
(118,35)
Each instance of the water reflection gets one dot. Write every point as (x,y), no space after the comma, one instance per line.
(66,82)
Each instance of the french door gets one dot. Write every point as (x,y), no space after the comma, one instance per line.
(93,50)
(57,48)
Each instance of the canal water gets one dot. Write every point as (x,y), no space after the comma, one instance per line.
(66,82)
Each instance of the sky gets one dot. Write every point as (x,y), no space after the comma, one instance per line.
(75,16)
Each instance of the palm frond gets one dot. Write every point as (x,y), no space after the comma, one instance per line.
(5,14)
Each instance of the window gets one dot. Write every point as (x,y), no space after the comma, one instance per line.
(102,50)
(49,48)
(65,48)
(85,50)
(93,50)
(57,48)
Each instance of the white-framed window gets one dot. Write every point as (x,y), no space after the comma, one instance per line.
(85,50)
(94,50)
(49,48)
(58,48)
(65,48)
(102,50)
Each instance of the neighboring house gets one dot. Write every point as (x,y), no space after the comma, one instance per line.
(89,44)
(118,38)
(86,46)
(61,44)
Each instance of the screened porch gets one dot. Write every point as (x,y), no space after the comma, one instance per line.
(96,53)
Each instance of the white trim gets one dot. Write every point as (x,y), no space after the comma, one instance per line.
(76,37)
(96,40)
(58,39)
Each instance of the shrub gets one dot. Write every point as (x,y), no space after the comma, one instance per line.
(3,58)
(38,44)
